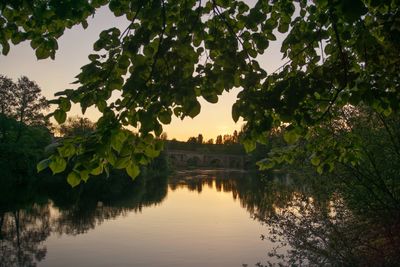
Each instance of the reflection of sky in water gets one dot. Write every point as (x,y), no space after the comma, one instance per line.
(188,228)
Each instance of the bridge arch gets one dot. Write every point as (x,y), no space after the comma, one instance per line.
(194,160)
(200,159)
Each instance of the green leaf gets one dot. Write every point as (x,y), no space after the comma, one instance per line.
(151,152)
(165,117)
(60,116)
(111,158)
(118,138)
(124,62)
(122,163)
(84,174)
(98,170)
(43,165)
(66,151)
(133,170)
(6,48)
(42,52)
(101,105)
(85,24)
(235,112)
(73,179)
(315,161)
(265,164)
(291,136)
(283,27)
(261,41)
(212,98)
(65,105)
(249,145)
(57,164)
(194,109)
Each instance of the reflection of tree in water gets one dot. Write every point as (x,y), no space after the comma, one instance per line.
(99,201)
(323,230)
(309,218)
(24,230)
(318,235)
(256,195)
(22,234)
(313,218)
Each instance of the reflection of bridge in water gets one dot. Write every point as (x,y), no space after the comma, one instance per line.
(181,158)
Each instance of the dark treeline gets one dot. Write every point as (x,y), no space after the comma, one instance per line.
(24,130)
(226,144)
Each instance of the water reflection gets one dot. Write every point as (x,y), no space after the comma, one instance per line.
(258,195)
(56,208)
(309,219)
(326,222)
(104,200)
(25,223)
(22,234)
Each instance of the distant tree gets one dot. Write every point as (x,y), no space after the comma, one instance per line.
(29,102)
(210,141)
(200,139)
(22,102)
(77,126)
(192,140)
(235,137)
(227,139)
(7,97)
(218,141)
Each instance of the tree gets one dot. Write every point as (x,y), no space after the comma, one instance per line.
(338,52)
(218,141)
(29,102)
(23,132)
(235,137)
(7,98)
(227,140)
(192,140)
(76,126)
(200,139)
(22,102)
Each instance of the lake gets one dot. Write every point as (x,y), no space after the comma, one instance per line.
(195,218)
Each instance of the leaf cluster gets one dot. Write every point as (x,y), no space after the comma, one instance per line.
(338,52)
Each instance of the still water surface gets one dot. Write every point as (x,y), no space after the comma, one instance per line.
(196,219)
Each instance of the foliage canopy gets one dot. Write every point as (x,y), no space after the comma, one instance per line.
(338,52)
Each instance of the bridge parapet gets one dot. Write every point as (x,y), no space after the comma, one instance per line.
(203,159)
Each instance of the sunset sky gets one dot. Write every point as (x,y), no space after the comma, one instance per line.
(74,47)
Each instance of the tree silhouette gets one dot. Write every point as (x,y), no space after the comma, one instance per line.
(7,96)
(218,141)
(23,102)
(29,102)
(200,139)
(75,126)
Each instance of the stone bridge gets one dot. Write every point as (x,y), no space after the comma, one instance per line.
(182,158)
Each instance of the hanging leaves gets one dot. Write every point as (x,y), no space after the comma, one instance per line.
(173,52)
